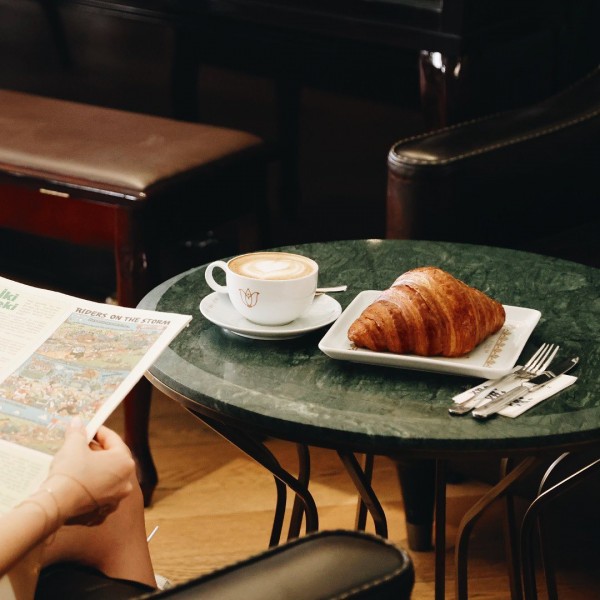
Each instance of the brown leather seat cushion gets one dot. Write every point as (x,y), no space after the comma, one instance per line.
(106,148)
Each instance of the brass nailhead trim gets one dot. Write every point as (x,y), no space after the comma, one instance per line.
(54,193)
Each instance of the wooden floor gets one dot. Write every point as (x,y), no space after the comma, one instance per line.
(214,506)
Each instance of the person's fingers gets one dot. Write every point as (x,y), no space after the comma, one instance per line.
(75,434)
(76,424)
(108,438)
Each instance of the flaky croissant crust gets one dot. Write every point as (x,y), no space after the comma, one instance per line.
(427,312)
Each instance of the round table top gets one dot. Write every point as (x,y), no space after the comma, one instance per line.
(291,390)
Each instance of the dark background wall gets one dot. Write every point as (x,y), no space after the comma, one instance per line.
(118,63)
(122,64)
(344,137)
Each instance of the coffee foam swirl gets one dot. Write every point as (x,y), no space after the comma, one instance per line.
(272,267)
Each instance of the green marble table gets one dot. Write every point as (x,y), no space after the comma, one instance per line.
(290,390)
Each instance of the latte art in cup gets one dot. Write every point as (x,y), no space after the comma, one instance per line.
(272,266)
(268,288)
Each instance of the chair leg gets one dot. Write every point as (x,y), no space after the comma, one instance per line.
(472,515)
(532,517)
(545,555)
(511,541)
(547,560)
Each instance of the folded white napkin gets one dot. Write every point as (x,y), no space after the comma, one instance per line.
(518,407)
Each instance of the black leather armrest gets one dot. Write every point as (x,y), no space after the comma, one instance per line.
(505,179)
(328,564)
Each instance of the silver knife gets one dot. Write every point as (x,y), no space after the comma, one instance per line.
(497,387)
(481,396)
(491,408)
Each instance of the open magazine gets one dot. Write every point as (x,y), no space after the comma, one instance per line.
(62,356)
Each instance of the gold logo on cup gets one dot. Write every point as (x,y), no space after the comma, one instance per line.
(249,298)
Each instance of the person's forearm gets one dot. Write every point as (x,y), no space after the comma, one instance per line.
(25,526)
(39,516)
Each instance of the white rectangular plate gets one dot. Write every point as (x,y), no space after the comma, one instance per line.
(493,358)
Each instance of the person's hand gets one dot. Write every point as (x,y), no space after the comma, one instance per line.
(89,481)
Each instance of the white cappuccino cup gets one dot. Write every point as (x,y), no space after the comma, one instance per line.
(268,288)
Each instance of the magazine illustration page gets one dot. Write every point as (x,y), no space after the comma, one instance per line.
(60,357)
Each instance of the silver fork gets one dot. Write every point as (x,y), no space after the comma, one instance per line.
(536,364)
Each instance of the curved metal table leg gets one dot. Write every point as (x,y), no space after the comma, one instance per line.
(303,479)
(360,521)
(262,455)
(363,485)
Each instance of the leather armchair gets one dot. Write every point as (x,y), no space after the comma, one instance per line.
(326,564)
(524,179)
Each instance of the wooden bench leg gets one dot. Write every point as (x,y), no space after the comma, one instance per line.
(137,419)
(133,258)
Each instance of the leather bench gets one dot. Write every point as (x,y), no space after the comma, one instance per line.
(130,184)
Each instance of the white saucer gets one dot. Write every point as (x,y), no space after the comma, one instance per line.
(218,309)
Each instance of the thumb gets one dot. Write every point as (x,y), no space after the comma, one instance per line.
(76,426)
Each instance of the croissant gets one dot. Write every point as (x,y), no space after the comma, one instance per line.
(427,312)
